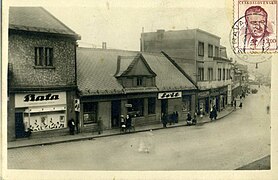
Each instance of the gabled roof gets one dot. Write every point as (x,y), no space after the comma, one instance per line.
(96,69)
(37,19)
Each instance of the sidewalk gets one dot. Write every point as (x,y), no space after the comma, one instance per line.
(110,132)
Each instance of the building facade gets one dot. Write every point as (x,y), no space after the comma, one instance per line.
(112,83)
(200,54)
(41,73)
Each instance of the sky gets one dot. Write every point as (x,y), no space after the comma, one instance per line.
(120,23)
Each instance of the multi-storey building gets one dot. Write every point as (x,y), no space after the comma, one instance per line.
(41,74)
(199,54)
(240,85)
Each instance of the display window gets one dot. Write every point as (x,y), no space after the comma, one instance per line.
(42,121)
(137,108)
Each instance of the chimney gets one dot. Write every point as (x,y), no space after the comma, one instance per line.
(103,45)
(142,44)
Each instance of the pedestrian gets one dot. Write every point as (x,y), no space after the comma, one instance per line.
(71,126)
(128,122)
(235,104)
(240,104)
(211,113)
(195,118)
(201,113)
(188,119)
(100,125)
(122,124)
(177,117)
(164,120)
(214,112)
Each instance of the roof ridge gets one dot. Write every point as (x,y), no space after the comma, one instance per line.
(100,49)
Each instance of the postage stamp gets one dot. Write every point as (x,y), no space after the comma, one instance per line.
(255,27)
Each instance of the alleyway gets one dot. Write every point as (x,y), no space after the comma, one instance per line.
(234,141)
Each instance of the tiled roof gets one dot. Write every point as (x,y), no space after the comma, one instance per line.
(96,70)
(37,19)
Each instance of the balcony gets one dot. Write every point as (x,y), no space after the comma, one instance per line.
(202,85)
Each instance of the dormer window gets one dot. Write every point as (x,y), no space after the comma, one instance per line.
(139,81)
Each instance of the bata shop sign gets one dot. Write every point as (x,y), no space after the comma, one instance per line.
(39,99)
(169,95)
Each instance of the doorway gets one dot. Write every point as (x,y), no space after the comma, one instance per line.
(164,106)
(19,125)
(115,113)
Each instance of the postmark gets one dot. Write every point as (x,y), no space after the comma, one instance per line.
(254,31)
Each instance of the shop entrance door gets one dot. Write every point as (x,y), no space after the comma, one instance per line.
(164,106)
(19,126)
(115,113)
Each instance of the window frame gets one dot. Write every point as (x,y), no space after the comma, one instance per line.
(139,81)
(93,111)
(210,50)
(44,57)
(219,74)
(136,101)
(216,51)
(201,75)
(201,48)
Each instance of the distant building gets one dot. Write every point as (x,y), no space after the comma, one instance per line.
(41,73)
(144,85)
(199,54)
(240,83)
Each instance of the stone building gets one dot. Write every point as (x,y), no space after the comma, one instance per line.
(41,73)
(200,54)
(112,83)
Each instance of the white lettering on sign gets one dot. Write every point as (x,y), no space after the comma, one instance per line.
(169,95)
(40,99)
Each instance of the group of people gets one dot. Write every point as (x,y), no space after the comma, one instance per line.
(234,103)
(190,120)
(171,119)
(126,123)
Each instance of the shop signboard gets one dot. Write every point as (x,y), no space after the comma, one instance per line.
(170,95)
(203,94)
(39,99)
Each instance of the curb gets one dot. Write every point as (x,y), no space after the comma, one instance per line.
(108,135)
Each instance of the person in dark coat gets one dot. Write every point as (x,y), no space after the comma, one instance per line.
(164,120)
(214,112)
(177,116)
(128,122)
(188,119)
(71,126)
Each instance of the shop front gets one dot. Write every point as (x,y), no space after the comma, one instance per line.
(203,102)
(40,112)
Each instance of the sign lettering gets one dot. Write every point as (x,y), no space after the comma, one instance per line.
(169,95)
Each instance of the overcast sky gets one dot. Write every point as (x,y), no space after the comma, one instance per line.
(119,23)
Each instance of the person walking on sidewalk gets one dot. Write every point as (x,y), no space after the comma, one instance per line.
(122,123)
(71,126)
(235,104)
(211,113)
(214,112)
(164,120)
(240,104)
(100,125)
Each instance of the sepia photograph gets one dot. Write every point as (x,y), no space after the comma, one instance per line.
(165,89)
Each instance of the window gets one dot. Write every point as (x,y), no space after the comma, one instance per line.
(210,50)
(186,103)
(223,74)
(216,51)
(43,56)
(151,105)
(228,74)
(90,112)
(137,107)
(200,74)
(201,49)
(210,74)
(219,74)
(139,81)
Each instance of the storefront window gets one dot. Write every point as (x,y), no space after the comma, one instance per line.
(186,103)
(41,121)
(90,113)
(151,105)
(137,107)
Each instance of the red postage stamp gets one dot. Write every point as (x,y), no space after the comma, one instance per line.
(255,26)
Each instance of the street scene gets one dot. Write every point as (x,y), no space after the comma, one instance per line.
(226,144)
(165,95)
